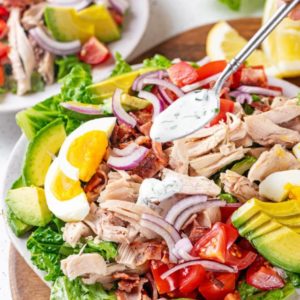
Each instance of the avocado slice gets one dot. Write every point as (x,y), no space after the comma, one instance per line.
(280,247)
(105,89)
(106,29)
(40,152)
(17,226)
(264,229)
(65,25)
(29,205)
(252,224)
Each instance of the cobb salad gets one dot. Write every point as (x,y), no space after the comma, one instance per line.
(36,36)
(110,214)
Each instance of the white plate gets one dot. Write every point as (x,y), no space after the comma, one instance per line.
(134,27)
(14,168)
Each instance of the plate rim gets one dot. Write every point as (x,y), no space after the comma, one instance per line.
(22,142)
(6,109)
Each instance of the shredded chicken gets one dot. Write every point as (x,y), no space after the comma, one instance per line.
(21,53)
(74,231)
(178,158)
(121,186)
(33,16)
(277,159)
(239,186)
(135,293)
(193,185)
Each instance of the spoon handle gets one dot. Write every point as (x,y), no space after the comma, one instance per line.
(254,42)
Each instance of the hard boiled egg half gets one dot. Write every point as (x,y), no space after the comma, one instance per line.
(78,159)
(279,185)
(84,148)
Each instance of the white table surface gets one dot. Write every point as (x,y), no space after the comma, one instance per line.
(168,18)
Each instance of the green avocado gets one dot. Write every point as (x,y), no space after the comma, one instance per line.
(17,226)
(106,29)
(29,205)
(280,247)
(66,26)
(105,89)
(252,224)
(264,229)
(41,151)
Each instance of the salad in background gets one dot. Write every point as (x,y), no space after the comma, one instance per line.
(36,36)
(111,214)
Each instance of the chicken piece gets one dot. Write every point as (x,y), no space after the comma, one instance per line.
(264,132)
(193,185)
(278,101)
(79,265)
(205,132)
(46,67)
(74,231)
(292,124)
(121,186)
(239,186)
(19,3)
(21,53)
(256,152)
(210,164)
(135,294)
(274,160)
(33,16)
(178,158)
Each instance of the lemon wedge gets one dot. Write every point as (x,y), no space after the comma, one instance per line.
(224,42)
(282,47)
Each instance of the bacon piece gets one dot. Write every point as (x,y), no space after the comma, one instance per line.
(158,151)
(123,134)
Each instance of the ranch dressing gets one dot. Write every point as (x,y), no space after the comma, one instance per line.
(185,116)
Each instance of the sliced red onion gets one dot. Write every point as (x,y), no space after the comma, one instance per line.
(163,233)
(158,106)
(243,98)
(77,4)
(52,46)
(184,216)
(138,83)
(120,6)
(162,92)
(119,111)
(259,90)
(166,84)
(180,206)
(237,204)
(205,60)
(128,162)
(87,109)
(209,265)
(199,84)
(161,222)
(186,256)
(127,150)
(182,249)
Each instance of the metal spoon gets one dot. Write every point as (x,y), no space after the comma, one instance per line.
(194,110)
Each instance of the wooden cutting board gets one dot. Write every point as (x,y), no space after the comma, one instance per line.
(190,45)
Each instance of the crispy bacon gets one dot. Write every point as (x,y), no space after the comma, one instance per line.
(145,128)
(123,134)
(158,151)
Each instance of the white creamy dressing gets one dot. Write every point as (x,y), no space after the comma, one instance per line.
(154,191)
(185,116)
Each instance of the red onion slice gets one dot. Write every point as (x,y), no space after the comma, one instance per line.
(200,84)
(138,83)
(77,4)
(184,216)
(120,6)
(52,46)
(205,60)
(128,162)
(158,106)
(182,249)
(241,97)
(119,111)
(206,264)
(166,84)
(180,206)
(167,99)
(127,150)
(259,90)
(163,233)
(87,109)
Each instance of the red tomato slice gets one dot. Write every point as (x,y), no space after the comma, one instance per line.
(94,52)
(231,234)
(218,286)
(211,68)
(226,212)
(262,276)
(213,244)
(239,257)
(2,76)
(190,278)
(4,49)
(167,285)
(183,74)
(225,107)
(177,294)
(4,13)
(254,76)
(118,18)
(3,29)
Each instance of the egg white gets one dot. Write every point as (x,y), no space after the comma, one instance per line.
(75,209)
(103,124)
(296,151)
(273,186)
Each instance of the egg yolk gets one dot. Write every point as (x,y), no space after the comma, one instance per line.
(65,188)
(86,153)
(293,191)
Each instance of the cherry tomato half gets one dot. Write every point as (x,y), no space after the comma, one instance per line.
(211,68)
(190,278)
(225,107)
(183,74)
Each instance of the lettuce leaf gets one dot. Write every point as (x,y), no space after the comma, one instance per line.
(121,66)
(64,289)
(232,4)
(157,61)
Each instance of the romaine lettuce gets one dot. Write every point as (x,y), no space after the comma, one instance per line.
(157,61)
(121,66)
